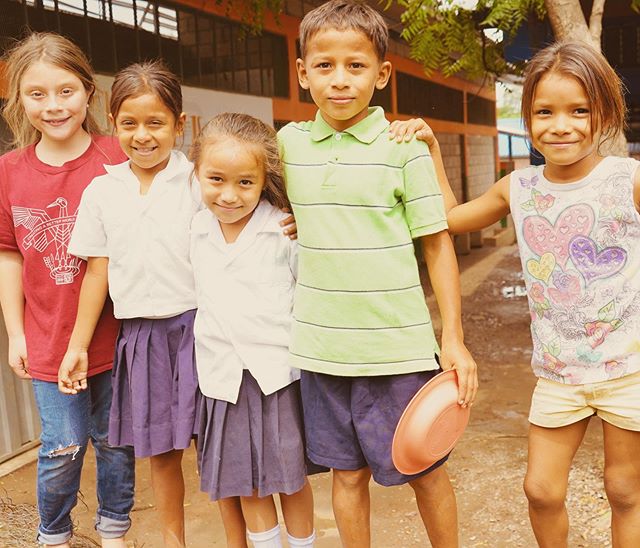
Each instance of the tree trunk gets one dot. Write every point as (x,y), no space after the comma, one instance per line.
(616,147)
(568,23)
(595,22)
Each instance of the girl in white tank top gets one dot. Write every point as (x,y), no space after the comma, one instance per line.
(578,231)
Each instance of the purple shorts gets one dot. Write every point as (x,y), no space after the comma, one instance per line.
(350,421)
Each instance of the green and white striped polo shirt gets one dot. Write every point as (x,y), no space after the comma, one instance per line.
(359,200)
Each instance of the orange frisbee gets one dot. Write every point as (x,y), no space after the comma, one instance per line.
(430,426)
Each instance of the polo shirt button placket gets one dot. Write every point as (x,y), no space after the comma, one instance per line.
(338,137)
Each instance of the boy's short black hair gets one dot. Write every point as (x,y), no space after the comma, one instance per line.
(346,15)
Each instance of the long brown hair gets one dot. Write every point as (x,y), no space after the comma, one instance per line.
(49,48)
(246,129)
(600,82)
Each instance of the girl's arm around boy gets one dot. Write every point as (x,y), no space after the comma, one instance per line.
(471,216)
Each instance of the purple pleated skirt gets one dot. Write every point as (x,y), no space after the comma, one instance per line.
(155,385)
(255,444)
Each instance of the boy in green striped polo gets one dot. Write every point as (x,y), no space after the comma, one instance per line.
(362,334)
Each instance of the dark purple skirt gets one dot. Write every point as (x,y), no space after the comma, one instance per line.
(255,444)
(155,385)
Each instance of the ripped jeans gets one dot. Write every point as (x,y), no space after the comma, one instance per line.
(68,422)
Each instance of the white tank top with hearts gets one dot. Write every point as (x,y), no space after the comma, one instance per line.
(580,250)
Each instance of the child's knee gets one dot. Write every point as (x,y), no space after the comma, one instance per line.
(543,493)
(433,482)
(64,454)
(70,450)
(352,479)
(622,491)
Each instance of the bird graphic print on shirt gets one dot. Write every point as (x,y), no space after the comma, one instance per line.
(50,235)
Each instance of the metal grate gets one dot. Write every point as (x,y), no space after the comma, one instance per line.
(418,97)
(481,111)
(205,50)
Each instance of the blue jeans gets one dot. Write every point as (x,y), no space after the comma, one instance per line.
(68,422)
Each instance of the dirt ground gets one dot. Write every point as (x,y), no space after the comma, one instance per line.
(487,467)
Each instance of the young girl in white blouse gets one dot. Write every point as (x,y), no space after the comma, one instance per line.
(251,439)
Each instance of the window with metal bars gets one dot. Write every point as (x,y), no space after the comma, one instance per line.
(481,111)
(418,97)
(205,50)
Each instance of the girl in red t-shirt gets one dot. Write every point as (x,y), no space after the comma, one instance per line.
(58,153)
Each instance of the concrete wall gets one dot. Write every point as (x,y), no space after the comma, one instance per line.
(481,175)
(450,146)
(481,161)
(482,164)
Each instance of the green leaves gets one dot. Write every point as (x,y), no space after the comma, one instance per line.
(451,39)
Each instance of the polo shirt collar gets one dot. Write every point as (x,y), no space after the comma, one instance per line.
(366,130)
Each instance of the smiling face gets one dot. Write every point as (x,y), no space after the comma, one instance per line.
(54,101)
(561,128)
(341,70)
(147,131)
(232,176)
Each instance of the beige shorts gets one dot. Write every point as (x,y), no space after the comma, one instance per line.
(617,401)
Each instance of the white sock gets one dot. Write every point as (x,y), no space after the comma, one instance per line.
(302,542)
(266,539)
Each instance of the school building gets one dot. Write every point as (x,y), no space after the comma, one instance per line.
(224,68)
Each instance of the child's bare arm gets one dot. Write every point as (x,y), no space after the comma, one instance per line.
(72,374)
(444,275)
(482,212)
(12,301)
(448,196)
(476,214)
(636,190)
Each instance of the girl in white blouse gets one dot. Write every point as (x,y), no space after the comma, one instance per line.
(251,439)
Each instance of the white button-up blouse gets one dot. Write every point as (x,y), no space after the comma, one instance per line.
(245,300)
(146,238)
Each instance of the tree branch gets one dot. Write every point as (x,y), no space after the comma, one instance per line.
(595,21)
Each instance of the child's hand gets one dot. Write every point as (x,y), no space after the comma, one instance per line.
(72,374)
(426,134)
(289,224)
(407,129)
(18,357)
(456,356)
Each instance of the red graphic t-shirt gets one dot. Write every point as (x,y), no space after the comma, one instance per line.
(38,208)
